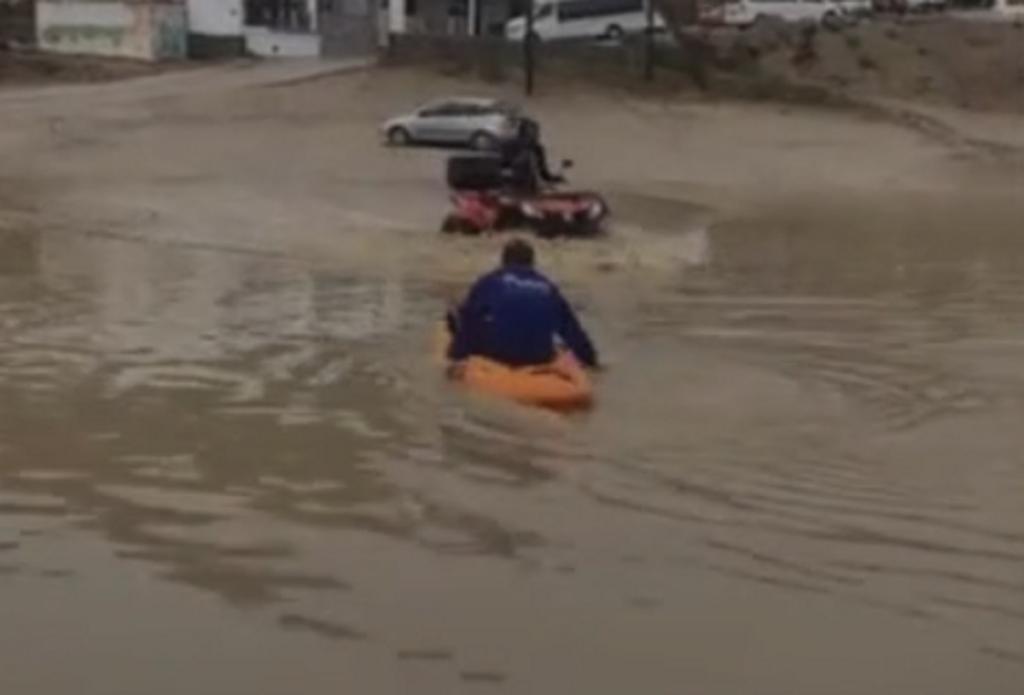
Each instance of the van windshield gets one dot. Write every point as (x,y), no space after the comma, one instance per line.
(543,11)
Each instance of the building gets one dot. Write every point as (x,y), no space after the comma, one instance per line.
(175,29)
(168,29)
(284,28)
(451,17)
(17,22)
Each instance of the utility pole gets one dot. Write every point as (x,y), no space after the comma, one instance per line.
(529,44)
(649,42)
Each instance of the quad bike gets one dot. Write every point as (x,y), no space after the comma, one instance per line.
(485,200)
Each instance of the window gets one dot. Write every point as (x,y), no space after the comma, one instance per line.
(544,11)
(288,15)
(446,109)
(431,111)
(456,109)
(583,9)
(505,108)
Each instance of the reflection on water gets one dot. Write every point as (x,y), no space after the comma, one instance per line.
(810,412)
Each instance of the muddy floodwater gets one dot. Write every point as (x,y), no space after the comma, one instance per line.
(225,471)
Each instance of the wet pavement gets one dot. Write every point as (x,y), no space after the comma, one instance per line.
(233,472)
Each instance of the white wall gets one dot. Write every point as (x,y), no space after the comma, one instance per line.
(273,43)
(314,14)
(216,17)
(281,44)
(397,17)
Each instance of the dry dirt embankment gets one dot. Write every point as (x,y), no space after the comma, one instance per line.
(918,72)
(957,81)
(939,61)
(31,68)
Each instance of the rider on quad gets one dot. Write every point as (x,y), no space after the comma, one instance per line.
(514,188)
(526,161)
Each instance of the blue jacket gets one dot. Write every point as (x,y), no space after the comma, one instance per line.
(513,315)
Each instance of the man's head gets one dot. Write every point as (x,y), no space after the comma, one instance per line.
(517,254)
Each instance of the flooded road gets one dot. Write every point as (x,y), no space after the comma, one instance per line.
(233,472)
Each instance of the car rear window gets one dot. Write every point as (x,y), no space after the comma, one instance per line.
(479,109)
(456,108)
(506,108)
(451,108)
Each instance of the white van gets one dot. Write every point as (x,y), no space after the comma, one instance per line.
(1010,9)
(583,19)
(742,13)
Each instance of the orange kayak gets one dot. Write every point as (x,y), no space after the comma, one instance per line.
(561,384)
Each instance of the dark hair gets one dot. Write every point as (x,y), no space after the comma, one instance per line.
(517,252)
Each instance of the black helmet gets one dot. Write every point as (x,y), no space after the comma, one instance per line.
(529,129)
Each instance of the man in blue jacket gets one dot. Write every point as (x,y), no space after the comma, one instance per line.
(514,315)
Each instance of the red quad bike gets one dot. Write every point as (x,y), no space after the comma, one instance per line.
(484,201)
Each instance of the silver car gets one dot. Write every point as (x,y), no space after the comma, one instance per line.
(482,124)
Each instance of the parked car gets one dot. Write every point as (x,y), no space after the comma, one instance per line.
(744,13)
(856,8)
(910,6)
(1009,9)
(583,19)
(482,124)
(926,5)
(994,11)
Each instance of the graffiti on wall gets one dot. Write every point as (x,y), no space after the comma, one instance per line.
(80,33)
(147,30)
